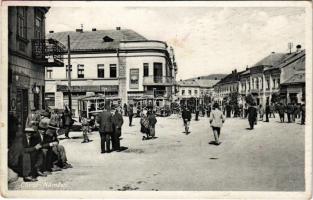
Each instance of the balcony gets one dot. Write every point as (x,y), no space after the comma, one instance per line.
(48,52)
(158,80)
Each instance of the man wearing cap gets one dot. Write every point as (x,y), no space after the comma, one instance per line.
(33,119)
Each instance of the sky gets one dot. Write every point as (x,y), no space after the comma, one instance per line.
(206,40)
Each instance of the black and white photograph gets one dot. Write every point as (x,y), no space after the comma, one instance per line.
(177,99)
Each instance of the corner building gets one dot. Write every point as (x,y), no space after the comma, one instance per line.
(118,63)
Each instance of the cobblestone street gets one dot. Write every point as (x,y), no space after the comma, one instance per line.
(270,157)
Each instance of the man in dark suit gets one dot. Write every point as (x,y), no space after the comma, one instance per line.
(22,155)
(130,114)
(252,115)
(117,121)
(104,120)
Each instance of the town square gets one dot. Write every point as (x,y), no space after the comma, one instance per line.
(157,98)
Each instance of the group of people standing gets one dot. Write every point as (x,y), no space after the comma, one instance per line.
(35,150)
(110,129)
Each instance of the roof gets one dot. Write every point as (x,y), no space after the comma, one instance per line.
(94,39)
(206,82)
(295,59)
(209,77)
(188,83)
(295,79)
(272,59)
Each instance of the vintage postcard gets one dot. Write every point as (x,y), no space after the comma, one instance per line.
(151,99)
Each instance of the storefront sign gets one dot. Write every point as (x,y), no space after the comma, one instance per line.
(59,100)
(134,79)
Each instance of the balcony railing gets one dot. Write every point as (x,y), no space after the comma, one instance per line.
(48,52)
(157,80)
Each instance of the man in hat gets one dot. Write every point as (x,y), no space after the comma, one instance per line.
(104,120)
(117,120)
(22,150)
(33,119)
(252,115)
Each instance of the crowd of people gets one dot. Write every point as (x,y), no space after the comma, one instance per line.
(34,150)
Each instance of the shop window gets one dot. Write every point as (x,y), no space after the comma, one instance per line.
(100,70)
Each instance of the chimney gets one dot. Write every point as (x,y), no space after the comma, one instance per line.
(118,28)
(247,67)
(51,31)
(93,29)
(298,48)
(79,30)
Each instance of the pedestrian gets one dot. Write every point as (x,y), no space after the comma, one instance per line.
(152,122)
(261,112)
(104,120)
(186,116)
(289,112)
(281,112)
(272,110)
(228,110)
(208,110)
(33,120)
(125,109)
(267,111)
(144,125)
(117,121)
(85,128)
(130,114)
(197,114)
(252,115)
(303,114)
(216,121)
(67,122)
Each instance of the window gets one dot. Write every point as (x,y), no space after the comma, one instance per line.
(257,83)
(113,71)
(189,92)
(100,70)
(274,83)
(278,82)
(49,72)
(196,92)
(134,78)
(38,25)
(66,70)
(145,69)
(80,71)
(22,22)
(267,84)
(183,92)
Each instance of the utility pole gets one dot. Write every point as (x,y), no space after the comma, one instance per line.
(69,72)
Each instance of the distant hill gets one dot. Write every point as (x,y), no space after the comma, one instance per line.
(209,77)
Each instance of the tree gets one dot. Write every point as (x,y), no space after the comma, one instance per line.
(250,99)
(233,98)
(275,98)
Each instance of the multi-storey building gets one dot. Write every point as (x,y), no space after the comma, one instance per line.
(227,85)
(199,90)
(29,53)
(119,63)
(281,74)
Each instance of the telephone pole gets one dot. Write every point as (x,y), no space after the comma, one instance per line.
(69,72)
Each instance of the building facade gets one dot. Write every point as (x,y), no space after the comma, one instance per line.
(117,63)
(277,77)
(226,86)
(29,53)
(197,91)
